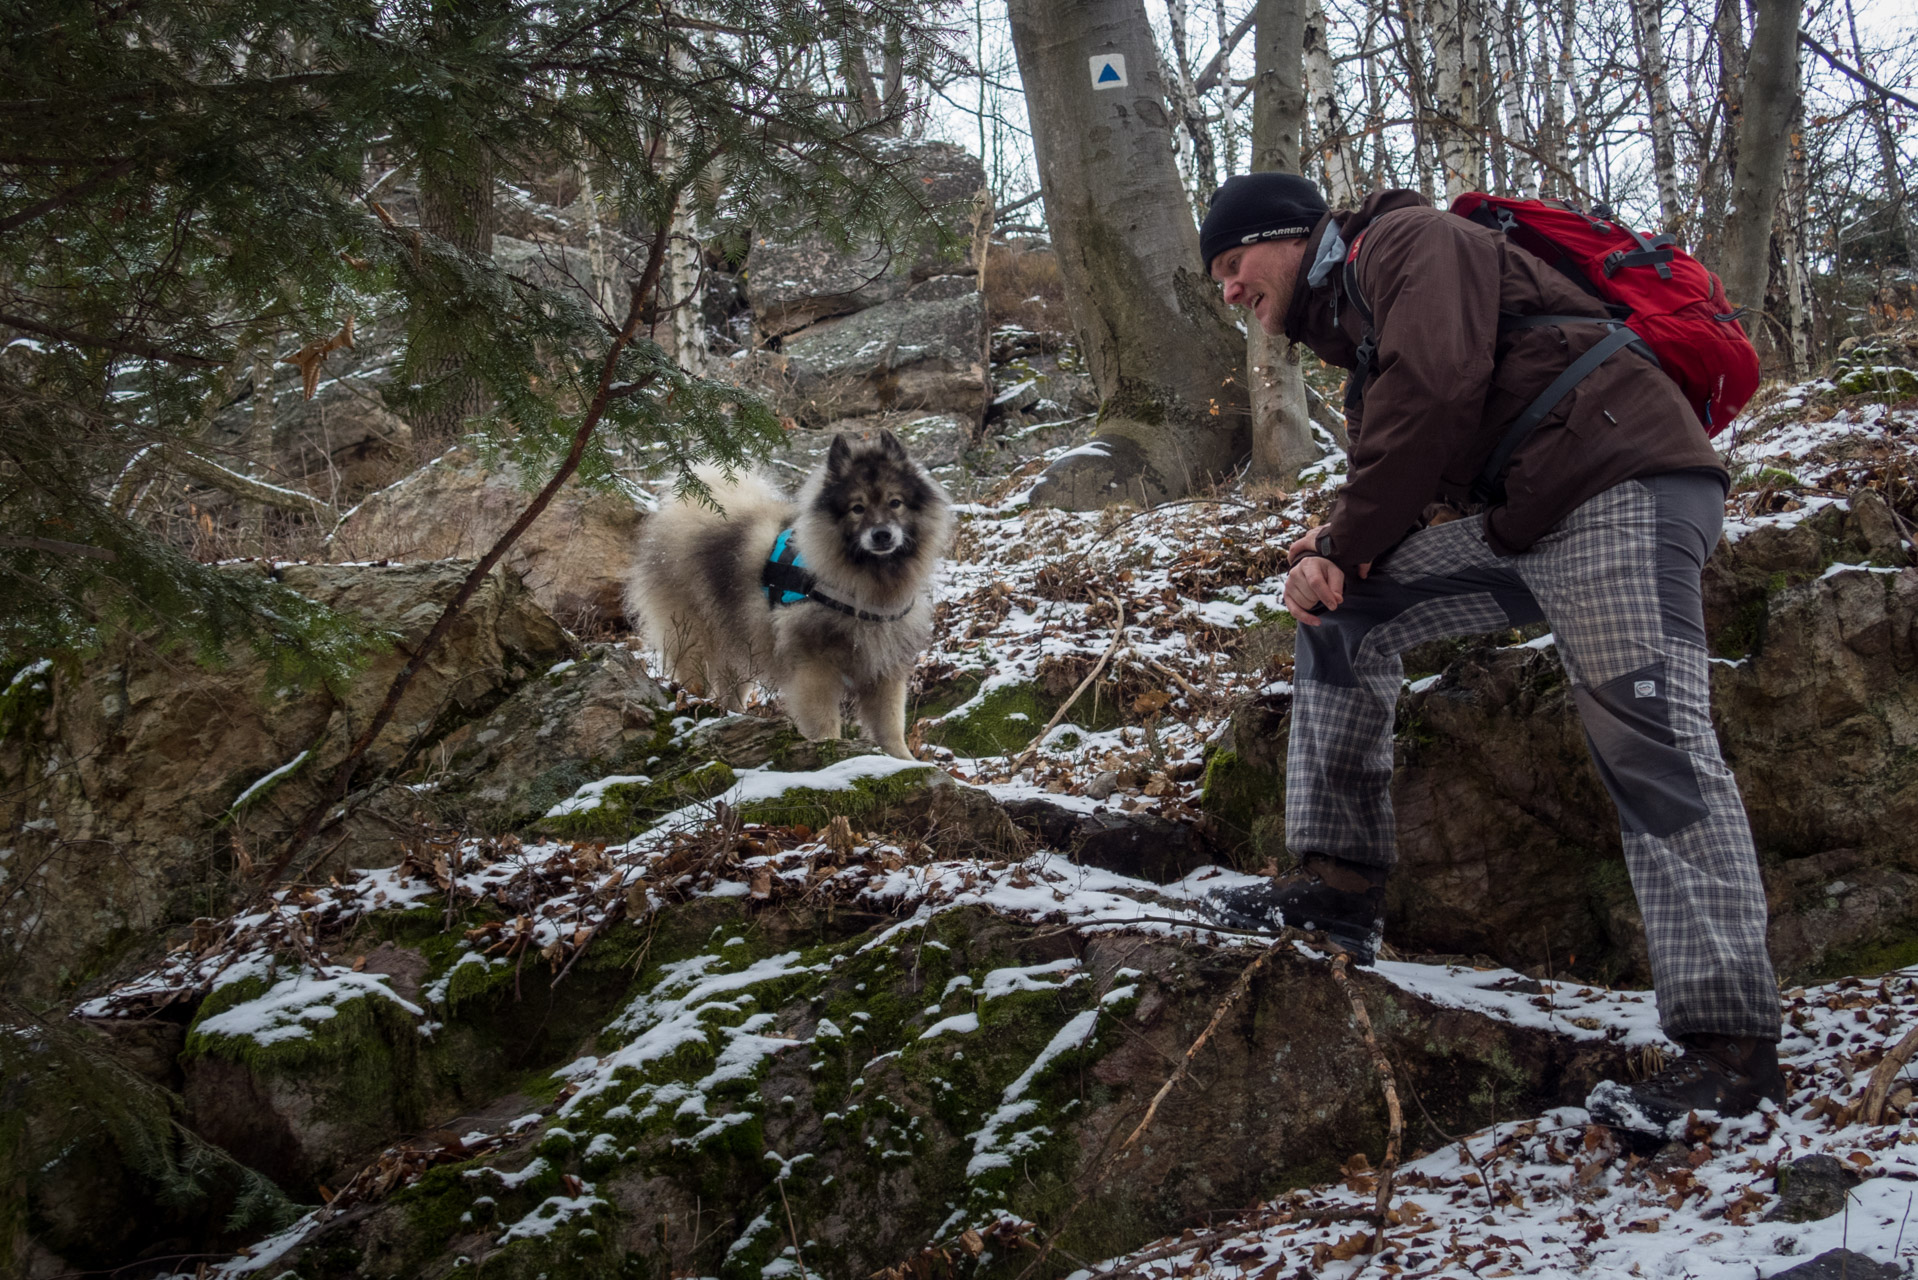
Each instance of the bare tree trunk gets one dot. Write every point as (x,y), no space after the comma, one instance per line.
(1424,122)
(1509,45)
(1193,140)
(1770,101)
(1728,32)
(1799,306)
(1579,136)
(456,204)
(1228,109)
(1328,115)
(1554,144)
(1162,350)
(1897,192)
(1281,425)
(1648,31)
(1455,46)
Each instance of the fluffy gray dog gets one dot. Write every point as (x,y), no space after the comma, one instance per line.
(818,597)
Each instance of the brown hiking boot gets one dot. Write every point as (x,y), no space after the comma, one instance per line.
(1729,1075)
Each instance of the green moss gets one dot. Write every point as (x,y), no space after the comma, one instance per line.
(813,807)
(627,808)
(1893,950)
(1001,722)
(1243,802)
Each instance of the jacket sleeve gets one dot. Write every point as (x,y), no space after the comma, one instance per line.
(1432,282)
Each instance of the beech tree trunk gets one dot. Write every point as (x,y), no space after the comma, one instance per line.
(1509,46)
(1281,425)
(1769,101)
(1162,349)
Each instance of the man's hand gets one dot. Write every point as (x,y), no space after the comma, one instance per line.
(1314,581)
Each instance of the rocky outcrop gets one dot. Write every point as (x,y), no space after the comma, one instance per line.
(797,278)
(978,1067)
(135,786)
(1508,841)
(575,558)
(876,335)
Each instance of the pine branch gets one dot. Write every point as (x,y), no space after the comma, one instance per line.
(124,346)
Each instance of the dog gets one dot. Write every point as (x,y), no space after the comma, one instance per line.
(821,597)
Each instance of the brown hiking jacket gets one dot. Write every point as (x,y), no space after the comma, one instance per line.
(1447,383)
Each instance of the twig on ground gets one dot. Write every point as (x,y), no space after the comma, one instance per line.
(798,1257)
(1237,1228)
(1873,1112)
(1394,1116)
(1118,634)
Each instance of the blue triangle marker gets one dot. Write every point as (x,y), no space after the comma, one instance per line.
(1108,74)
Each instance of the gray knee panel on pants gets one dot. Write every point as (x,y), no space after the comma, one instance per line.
(1628,725)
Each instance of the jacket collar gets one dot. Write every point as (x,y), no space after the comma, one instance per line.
(1312,313)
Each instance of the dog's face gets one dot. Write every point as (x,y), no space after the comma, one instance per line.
(876,497)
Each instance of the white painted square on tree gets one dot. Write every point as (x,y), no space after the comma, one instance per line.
(1108,71)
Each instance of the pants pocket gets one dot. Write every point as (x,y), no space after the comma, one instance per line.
(1628,726)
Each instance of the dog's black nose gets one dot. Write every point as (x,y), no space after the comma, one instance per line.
(882,538)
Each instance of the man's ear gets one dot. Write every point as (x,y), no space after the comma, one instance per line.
(839,456)
(890,443)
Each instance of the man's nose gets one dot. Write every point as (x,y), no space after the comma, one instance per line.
(1233,292)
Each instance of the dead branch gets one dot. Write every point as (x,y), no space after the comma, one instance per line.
(1873,1112)
(1395,1117)
(338,789)
(1118,634)
(204,470)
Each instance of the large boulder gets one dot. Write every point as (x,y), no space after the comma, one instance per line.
(800,276)
(575,558)
(133,787)
(923,354)
(1509,843)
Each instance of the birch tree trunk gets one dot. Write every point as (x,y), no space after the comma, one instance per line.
(1455,47)
(1769,98)
(1281,426)
(1799,307)
(1648,31)
(1425,125)
(1162,350)
(1329,126)
(1509,46)
(1579,135)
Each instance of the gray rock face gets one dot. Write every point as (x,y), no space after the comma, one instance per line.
(903,355)
(938,441)
(799,278)
(575,558)
(554,733)
(113,779)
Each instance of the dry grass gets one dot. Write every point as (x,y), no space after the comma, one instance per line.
(1024,287)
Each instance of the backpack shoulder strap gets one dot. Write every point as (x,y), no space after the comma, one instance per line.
(1368,348)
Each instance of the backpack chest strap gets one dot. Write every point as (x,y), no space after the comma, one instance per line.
(787,581)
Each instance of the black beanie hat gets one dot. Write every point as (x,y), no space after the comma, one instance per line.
(1250,207)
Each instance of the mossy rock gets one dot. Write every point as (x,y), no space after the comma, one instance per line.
(95,1165)
(627,808)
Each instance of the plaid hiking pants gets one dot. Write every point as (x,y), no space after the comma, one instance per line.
(1618,582)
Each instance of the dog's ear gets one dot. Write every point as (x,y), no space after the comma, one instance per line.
(890,444)
(839,457)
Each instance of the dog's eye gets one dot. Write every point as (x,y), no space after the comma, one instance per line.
(896,504)
(859,508)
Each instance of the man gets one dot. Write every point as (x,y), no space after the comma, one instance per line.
(1600,527)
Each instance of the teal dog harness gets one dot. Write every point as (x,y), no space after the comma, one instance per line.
(788,581)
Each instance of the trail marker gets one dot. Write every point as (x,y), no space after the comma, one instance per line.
(1108,71)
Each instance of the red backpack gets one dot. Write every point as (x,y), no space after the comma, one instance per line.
(1663,303)
(1667,296)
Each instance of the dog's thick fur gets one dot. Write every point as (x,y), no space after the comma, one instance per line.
(868,523)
